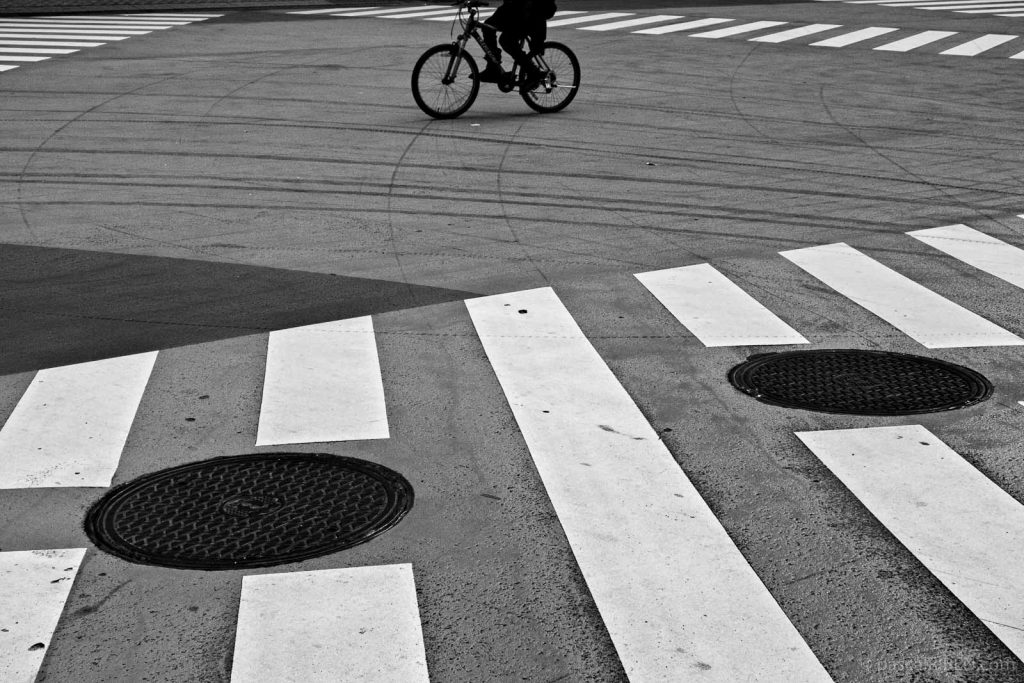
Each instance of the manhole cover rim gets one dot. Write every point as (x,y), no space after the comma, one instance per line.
(98,520)
(739,375)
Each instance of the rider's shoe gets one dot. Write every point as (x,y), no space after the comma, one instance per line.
(530,77)
(492,73)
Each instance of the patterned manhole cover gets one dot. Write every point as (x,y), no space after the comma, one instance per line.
(859,382)
(248,511)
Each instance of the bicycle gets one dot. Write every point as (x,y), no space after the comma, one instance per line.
(446,78)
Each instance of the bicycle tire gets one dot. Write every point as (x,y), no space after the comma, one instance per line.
(560,87)
(432,95)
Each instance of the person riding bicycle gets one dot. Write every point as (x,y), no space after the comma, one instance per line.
(516,19)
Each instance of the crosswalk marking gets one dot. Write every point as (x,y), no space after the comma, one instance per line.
(966,530)
(72,422)
(22,58)
(34,585)
(360,624)
(70,33)
(662,24)
(667,580)
(49,43)
(449,12)
(322,383)
(915,41)
(977,249)
(684,26)
(587,18)
(855,37)
(35,50)
(57,36)
(629,23)
(793,33)
(736,30)
(715,309)
(926,317)
(382,12)
(7,67)
(331,10)
(979,45)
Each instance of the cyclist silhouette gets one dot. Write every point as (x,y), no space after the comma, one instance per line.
(516,19)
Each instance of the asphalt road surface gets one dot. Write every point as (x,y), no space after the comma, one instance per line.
(230,233)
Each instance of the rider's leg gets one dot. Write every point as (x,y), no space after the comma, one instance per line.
(493,72)
(512,41)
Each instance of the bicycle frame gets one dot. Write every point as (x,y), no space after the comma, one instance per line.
(470,29)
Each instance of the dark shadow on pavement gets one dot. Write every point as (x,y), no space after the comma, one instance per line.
(63,306)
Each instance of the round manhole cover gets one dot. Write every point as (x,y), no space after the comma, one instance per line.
(248,511)
(859,382)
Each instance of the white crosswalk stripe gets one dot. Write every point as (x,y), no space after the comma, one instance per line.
(359,624)
(666,24)
(994,7)
(932,320)
(624,503)
(78,31)
(34,585)
(72,423)
(322,383)
(669,583)
(717,311)
(969,535)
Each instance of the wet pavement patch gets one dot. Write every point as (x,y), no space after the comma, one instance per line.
(859,382)
(248,511)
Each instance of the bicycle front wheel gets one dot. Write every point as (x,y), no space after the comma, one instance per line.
(561,84)
(445,84)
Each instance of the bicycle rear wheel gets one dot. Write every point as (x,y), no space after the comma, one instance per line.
(561,84)
(438,93)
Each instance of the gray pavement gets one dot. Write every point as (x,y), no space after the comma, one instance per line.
(192,190)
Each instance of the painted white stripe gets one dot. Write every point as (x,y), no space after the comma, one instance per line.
(587,19)
(963,528)
(54,36)
(685,26)
(36,50)
(360,624)
(940,3)
(715,309)
(629,23)
(70,426)
(382,12)
(483,14)
(90,24)
(915,41)
(22,58)
(1010,15)
(854,37)
(8,67)
(977,249)
(670,585)
(930,319)
(190,15)
(49,43)
(333,9)
(783,36)
(429,13)
(34,585)
(981,9)
(978,45)
(323,383)
(736,30)
(115,17)
(117,30)
(41,32)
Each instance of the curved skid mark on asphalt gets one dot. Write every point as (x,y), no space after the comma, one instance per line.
(969,207)
(74,119)
(504,212)
(390,195)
